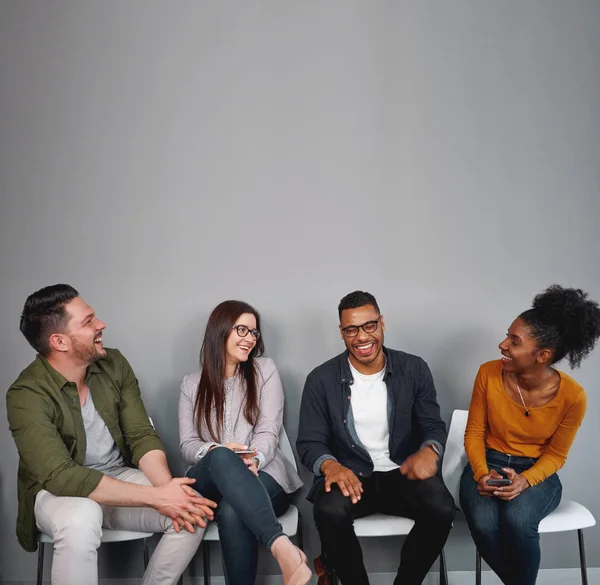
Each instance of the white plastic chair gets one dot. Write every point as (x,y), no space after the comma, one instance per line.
(107,536)
(290,521)
(568,516)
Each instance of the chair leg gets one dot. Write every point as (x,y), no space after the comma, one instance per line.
(206,563)
(40,567)
(443,569)
(300,534)
(477,567)
(582,564)
(145,553)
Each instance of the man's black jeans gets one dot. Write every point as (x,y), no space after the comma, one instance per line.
(427,502)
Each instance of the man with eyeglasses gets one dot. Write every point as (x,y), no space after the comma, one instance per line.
(370,430)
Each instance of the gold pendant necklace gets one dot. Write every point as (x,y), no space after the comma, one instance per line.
(527,413)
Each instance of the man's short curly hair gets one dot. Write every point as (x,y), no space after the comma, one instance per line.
(356,299)
(565,321)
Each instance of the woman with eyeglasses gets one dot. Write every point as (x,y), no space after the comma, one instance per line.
(230,417)
(523,418)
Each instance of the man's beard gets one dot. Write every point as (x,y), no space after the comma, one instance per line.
(86,353)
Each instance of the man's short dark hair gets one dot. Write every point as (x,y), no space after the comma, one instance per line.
(356,299)
(44,314)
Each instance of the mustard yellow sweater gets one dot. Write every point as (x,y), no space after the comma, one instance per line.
(496,422)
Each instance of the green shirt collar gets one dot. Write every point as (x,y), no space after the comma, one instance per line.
(58,378)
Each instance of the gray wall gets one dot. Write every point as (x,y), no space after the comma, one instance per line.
(163,157)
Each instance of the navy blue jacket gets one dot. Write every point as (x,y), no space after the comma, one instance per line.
(326,426)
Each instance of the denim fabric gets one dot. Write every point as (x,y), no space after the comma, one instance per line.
(506,532)
(238,544)
(247,511)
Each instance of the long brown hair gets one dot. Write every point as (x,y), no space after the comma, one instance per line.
(211,389)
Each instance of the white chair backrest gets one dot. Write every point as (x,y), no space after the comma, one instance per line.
(286,447)
(455,457)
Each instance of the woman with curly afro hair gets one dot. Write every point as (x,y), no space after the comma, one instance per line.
(523,418)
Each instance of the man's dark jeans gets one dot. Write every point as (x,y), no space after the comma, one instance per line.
(247,511)
(427,502)
(506,533)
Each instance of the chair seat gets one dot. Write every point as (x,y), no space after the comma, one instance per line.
(107,536)
(289,522)
(568,516)
(383,525)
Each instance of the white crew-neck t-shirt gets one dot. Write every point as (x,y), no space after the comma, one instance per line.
(369,409)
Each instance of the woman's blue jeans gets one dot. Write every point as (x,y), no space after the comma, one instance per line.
(247,511)
(506,532)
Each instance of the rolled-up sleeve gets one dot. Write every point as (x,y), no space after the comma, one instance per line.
(138,433)
(42,449)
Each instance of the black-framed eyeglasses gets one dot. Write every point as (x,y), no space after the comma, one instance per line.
(368,327)
(242,331)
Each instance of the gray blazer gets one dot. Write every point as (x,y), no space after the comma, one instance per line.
(264,436)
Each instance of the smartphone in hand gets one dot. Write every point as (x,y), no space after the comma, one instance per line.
(244,451)
(498,482)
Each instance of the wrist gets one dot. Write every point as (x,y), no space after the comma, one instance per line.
(150,496)
(158,476)
(327,464)
(480,472)
(432,450)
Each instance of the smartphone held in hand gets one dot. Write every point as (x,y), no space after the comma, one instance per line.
(244,451)
(498,482)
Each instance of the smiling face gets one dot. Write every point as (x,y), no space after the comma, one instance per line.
(366,349)
(82,338)
(520,351)
(238,348)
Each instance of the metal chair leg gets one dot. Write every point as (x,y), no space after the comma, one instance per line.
(300,533)
(443,569)
(582,562)
(477,567)
(145,553)
(206,563)
(40,567)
